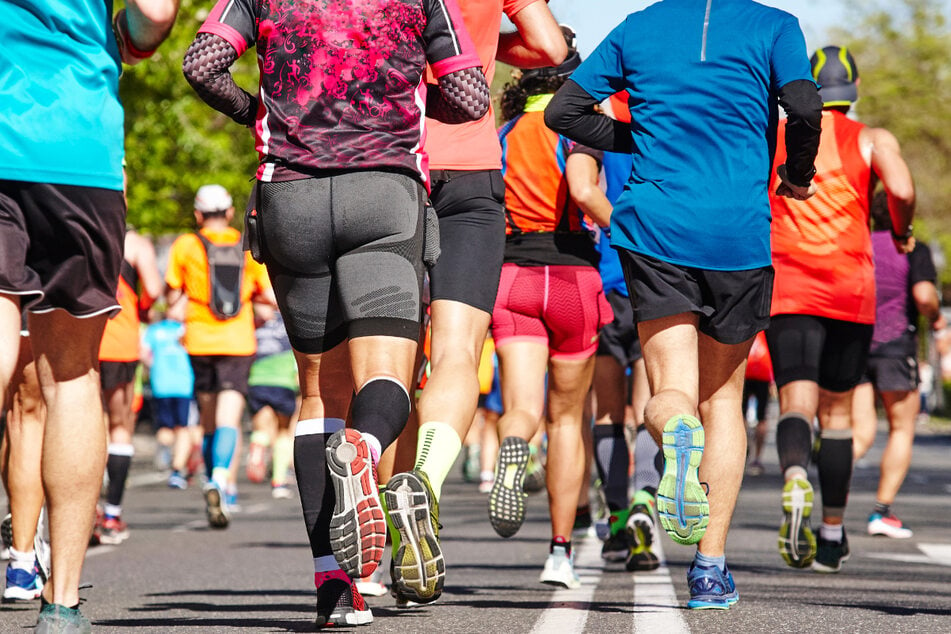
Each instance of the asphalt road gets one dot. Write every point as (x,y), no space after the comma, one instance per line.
(176,575)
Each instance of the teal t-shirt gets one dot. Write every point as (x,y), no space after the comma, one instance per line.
(703,78)
(61,121)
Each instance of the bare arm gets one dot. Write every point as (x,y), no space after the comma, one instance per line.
(142,26)
(891,169)
(583,176)
(538,42)
(926,299)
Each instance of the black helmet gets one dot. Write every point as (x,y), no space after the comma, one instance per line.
(833,68)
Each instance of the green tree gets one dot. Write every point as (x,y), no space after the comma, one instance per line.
(903,52)
(175,142)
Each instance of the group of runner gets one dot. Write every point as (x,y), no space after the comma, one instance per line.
(382,178)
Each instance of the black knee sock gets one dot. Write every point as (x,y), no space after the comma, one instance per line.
(117,466)
(835,471)
(316,493)
(793,441)
(207,453)
(613,462)
(381,408)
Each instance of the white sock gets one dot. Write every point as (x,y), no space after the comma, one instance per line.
(831,532)
(22,560)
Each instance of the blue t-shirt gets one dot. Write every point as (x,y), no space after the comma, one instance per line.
(170,374)
(703,79)
(617,169)
(61,120)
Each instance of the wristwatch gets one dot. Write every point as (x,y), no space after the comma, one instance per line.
(903,237)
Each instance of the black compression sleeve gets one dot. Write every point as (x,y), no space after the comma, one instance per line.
(206,67)
(462,96)
(800,99)
(571,113)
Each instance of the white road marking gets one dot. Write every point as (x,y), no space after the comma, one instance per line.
(655,602)
(934,555)
(568,611)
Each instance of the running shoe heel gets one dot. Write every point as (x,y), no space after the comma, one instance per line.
(419,569)
(682,506)
(357,527)
(507,497)
(797,542)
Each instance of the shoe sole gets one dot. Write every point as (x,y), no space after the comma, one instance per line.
(419,569)
(214,511)
(795,530)
(338,619)
(883,530)
(641,536)
(681,501)
(507,497)
(113,539)
(357,527)
(12,594)
(712,605)
(823,568)
(559,583)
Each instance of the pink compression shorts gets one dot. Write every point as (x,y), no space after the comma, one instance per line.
(560,306)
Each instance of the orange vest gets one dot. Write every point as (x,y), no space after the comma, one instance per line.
(822,249)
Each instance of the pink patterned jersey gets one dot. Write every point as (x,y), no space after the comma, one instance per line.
(342,80)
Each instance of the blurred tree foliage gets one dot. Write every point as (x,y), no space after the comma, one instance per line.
(175,142)
(903,52)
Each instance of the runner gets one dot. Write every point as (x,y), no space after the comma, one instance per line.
(61,150)
(904,289)
(339,143)
(119,355)
(756,394)
(692,230)
(221,348)
(467,194)
(549,309)
(824,308)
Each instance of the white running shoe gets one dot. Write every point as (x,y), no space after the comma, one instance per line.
(560,568)
(888,525)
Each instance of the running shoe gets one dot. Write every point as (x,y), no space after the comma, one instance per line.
(485,486)
(281,492)
(256,468)
(797,543)
(710,588)
(616,546)
(830,555)
(640,530)
(534,471)
(681,500)
(755,468)
(888,525)
(216,510)
(23,585)
(177,481)
(418,568)
(357,527)
(339,603)
(560,566)
(403,602)
(471,462)
(507,497)
(113,531)
(58,619)
(373,585)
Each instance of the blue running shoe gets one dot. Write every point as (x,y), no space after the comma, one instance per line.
(23,585)
(710,588)
(681,500)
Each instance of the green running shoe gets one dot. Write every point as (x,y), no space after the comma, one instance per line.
(58,619)
(681,500)
(640,530)
(797,543)
(419,569)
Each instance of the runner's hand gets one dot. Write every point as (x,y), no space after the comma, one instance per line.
(790,190)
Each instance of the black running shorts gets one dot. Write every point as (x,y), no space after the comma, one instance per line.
(732,305)
(345,255)
(892,369)
(471,236)
(829,352)
(113,374)
(61,246)
(219,372)
(619,338)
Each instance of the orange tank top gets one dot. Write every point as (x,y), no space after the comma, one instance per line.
(120,340)
(822,249)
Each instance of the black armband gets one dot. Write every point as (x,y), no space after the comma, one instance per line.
(800,99)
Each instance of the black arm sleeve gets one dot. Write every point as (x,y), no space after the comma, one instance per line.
(206,67)
(462,96)
(571,113)
(800,99)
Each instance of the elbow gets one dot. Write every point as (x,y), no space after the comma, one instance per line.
(555,120)
(555,51)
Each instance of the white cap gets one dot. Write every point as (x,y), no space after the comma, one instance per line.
(212,199)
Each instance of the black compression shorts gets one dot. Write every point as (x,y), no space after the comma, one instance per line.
(345,255)
(218,372)
(829,352)
(61,246)
(471,236)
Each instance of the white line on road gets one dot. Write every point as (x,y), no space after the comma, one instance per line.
(655,601)
(568,610)
(934,555)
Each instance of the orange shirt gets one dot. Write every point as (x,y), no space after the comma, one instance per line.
(120,339)
(188,270)
(473,145)
(822,249)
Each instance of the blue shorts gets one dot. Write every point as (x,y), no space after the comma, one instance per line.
(281,399)
(171,412)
